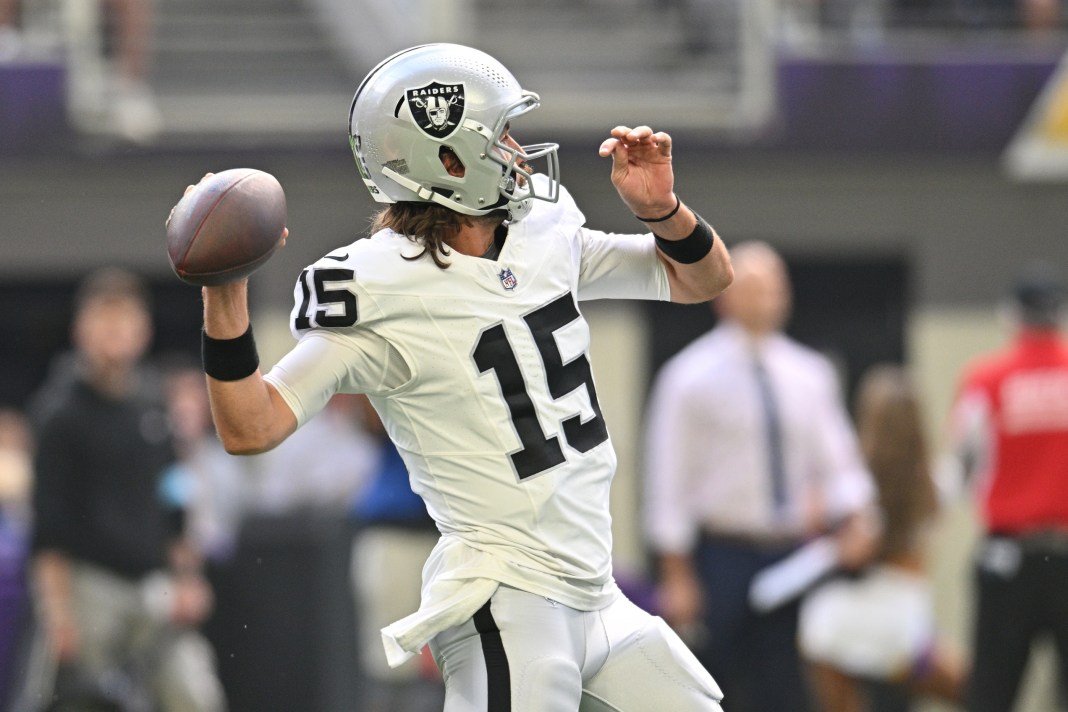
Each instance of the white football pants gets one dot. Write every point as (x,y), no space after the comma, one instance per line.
(524,653)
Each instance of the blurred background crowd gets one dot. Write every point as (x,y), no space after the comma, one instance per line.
(903,163)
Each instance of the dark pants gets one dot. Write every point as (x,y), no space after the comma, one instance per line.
(752,656)
(1022,589)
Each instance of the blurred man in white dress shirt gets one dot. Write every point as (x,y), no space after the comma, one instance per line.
(750,453)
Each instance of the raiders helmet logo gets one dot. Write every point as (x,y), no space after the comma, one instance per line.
(436,108)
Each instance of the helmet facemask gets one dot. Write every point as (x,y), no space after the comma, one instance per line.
(519,163)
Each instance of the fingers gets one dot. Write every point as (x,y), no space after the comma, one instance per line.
(639,138)
(608,147)
(188,189)
(192,187)
(663,143)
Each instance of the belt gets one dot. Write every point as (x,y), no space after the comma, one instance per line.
(770,541)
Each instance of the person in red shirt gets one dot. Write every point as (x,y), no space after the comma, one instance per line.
(1009,431)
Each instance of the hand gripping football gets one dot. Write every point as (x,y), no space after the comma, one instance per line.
(226,226)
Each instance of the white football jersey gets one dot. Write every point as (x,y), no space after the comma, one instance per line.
(481,375)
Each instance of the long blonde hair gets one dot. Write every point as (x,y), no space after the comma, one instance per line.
(428,224)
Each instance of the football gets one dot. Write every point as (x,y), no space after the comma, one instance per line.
(226,227)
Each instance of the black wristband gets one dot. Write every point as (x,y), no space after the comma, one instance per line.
(678,204)
(229,359)
(691,248)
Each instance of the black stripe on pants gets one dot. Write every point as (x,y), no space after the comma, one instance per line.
(498,677)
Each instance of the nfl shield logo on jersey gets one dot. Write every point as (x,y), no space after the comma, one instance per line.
(436,108)
(508,280)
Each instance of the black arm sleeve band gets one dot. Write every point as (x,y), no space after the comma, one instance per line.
(229,359)
(691,248)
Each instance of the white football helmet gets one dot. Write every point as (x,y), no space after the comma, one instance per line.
(427,98)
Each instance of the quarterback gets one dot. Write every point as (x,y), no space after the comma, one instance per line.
(459,319)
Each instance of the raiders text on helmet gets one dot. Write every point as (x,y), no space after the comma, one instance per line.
(428,98)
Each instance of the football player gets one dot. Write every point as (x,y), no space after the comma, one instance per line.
(459,318)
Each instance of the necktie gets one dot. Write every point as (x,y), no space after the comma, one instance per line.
(773,430)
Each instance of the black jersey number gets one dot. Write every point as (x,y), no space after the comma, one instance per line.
(337,307)
(494,353)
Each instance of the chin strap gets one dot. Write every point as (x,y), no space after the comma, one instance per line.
(425,193)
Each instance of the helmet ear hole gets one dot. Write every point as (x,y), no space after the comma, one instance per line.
(452,162)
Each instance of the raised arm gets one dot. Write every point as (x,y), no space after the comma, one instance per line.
(249,415)
(697,261)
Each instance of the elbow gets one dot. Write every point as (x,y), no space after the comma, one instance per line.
(252,431)
(244,449)
(717,282)
(247,443)
(723,279)
(706,289)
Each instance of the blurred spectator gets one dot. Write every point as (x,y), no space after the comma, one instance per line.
(108,51)
(223,490)
(133,109)
(16,451)
(750,452)
(394,532)
(259,522)
(1009,431)
(215,480)
(333,454)
(118,588)
(879,627)
(15,475)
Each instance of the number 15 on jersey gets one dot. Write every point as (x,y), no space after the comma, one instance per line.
(494,353)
